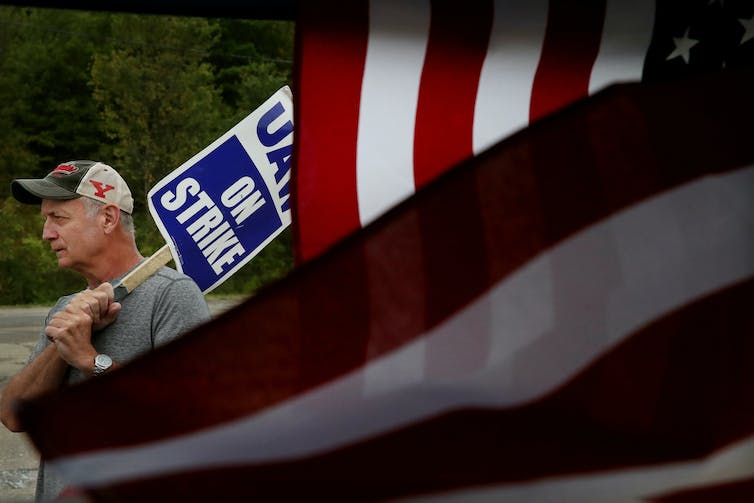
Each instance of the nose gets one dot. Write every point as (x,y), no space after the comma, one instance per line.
(48,231)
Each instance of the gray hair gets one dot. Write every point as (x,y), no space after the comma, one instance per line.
(93,207)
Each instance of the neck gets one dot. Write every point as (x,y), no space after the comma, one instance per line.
(115,262)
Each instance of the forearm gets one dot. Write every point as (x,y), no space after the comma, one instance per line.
(43,374)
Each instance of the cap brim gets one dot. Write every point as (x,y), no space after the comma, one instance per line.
(32,191)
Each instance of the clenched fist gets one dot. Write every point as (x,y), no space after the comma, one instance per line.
(71,329)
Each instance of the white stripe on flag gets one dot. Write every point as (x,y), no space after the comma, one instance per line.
(732,464)
(674,248)
(398,35)
(625,40)
(505,84)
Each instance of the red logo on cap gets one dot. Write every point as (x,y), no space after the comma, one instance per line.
(64,169)
(101,188)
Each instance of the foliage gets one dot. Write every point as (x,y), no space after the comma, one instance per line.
(252,61)
(154,101)
(46,111)
(158,101)
(143,93)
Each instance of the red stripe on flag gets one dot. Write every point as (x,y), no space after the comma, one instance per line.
(572,41)
(457,45)
(332,45)
(666,394)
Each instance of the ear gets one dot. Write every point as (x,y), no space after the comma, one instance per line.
(111,215)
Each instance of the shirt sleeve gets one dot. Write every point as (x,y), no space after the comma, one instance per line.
(180,307)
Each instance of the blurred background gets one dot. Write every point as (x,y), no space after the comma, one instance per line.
(143,93)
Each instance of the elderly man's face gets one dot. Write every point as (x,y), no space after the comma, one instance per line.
(76,238)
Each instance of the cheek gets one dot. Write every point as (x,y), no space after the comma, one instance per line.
(78,236)
(92,237)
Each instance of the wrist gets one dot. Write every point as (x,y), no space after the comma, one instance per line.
(84,362)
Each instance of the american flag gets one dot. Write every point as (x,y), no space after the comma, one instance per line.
(564,317)
(391,93)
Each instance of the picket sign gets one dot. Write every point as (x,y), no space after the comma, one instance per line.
(220,208)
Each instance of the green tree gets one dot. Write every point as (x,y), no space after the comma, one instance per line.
(46,111)
(157,99)
(253,59)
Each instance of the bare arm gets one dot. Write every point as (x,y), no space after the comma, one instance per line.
(70,331)
(43,374)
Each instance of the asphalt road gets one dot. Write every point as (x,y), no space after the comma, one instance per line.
(19,330)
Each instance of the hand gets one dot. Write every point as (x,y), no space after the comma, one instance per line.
(71,329)
(98,304)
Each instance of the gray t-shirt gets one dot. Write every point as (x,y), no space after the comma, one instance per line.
(165,306)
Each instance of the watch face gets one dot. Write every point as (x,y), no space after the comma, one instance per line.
(103,361)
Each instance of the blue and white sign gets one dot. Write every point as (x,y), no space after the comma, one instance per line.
(222,206)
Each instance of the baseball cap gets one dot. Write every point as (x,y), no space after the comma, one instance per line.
(73,179)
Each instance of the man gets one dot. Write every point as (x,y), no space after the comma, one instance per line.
(87,209)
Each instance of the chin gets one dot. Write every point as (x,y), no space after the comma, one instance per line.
(63,263)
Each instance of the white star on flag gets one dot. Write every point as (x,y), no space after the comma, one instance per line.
(748,25)
(683,47)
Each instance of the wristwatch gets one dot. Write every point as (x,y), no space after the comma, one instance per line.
(102,362)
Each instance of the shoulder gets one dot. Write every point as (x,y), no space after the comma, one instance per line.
(177,304)
(165,277)
(167,289)
(168,300)
(174,287)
